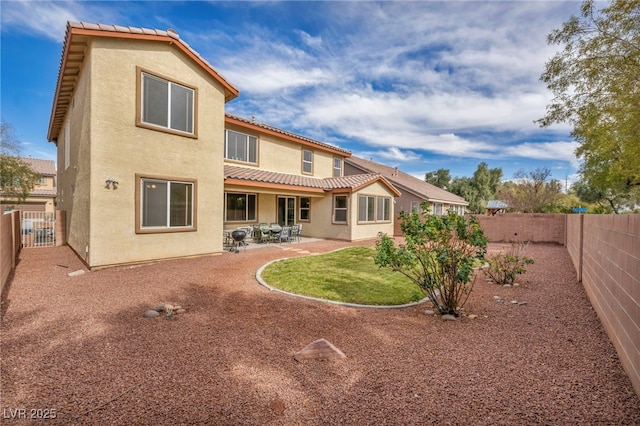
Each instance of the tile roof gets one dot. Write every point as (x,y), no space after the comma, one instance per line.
(232,118)
(352,182)
(74,49)
(407,182)
(44,167)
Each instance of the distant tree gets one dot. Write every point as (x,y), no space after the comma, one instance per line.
(607,200)
(440,178)
(17,178)
(479,189)
(595,82)
(532,192)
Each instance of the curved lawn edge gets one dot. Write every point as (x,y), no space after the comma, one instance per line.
(317,299)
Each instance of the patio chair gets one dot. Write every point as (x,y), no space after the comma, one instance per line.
(275,232)
(295,232)
(285,234)
(265,234)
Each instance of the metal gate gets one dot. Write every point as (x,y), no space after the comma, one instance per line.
(38,229)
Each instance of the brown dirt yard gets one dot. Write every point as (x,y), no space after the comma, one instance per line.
(79,345)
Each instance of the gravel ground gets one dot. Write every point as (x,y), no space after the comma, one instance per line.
(81,347)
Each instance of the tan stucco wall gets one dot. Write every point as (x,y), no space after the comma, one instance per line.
(370,230)
(120,150)
(280,155)
(73,182)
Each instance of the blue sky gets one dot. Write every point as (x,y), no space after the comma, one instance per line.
(420,85)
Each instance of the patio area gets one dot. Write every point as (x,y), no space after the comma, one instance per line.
(80,345)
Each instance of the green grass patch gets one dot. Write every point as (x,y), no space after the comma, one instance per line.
(349,275)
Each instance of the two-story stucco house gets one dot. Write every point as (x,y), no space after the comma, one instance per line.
(272,175)
(150,166)
(43,196)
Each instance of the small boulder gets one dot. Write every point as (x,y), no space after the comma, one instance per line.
(319,349)
(449,317)
(430,312)
(151,313)
(472,316)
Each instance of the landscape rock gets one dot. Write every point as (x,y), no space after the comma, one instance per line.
(320,349)
(472,316)
(449,317)
(151,313)
(429,312)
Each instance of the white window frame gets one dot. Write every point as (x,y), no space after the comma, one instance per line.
(171,124)
(167,227)
(375,211)
(415,205)
(305,209)
(307,163)
(247,217)
(249,140)
(341,209)
(381,203)
(368,214)
(437,209)
(337,167)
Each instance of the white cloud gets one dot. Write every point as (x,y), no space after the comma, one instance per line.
(49,18)
(560,151)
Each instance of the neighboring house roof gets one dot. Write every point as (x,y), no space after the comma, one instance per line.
(44,167)
(497,204)
(265,128)
(407,182)
(257,177)
(74,49)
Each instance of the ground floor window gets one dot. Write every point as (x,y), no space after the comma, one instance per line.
(340,209)
(165,204)
(374,209)
(240,207)
(437,209)
(304,213)
(366,208)
(384,209)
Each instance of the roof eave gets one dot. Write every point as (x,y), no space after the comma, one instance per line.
(52,134)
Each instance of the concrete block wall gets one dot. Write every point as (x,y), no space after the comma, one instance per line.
(536,228)
(574,242)
(611,278)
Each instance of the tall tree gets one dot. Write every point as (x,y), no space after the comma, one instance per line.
(595,81)
(479,189)
(532,192)
(440,178)
(17,178)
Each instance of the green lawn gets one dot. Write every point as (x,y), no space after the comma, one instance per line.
(347,275)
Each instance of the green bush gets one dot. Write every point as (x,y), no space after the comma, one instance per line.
(504,267)
(439,255)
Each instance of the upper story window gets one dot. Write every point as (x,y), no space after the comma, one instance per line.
(337,167)
(307,162)
(164,104)
(42,181)
(241,147)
